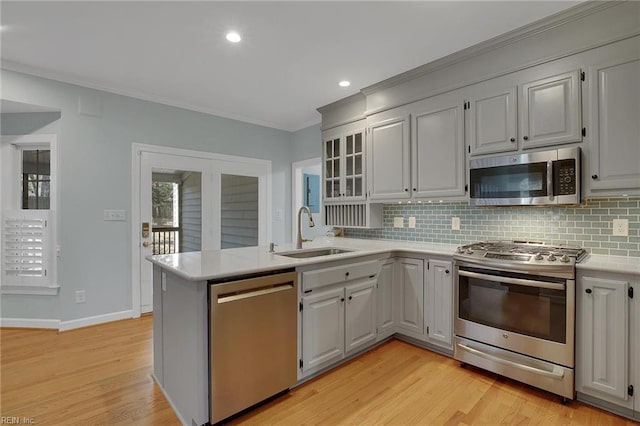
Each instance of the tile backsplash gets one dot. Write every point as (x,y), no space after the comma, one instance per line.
(588,225)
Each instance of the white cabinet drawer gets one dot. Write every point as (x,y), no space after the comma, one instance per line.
(338,274)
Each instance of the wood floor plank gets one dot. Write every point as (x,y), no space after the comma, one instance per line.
(102,376)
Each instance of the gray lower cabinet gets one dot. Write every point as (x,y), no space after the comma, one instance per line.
(608,341)
(409,282)
(439,303)
(614,122)
(385,300)
(415,299)
(360,315)
(322,329)
(336,322)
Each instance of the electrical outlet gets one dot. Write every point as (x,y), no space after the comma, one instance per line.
(412,222)
(278,214)
(398,222)
(81,296)
(455,223)
(621,227)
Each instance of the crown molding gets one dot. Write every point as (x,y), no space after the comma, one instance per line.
(546,24)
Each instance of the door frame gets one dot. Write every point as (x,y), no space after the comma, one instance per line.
(296,187)
(136,150)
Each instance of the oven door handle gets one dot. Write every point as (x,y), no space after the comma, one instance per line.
(508,280)
(556,373)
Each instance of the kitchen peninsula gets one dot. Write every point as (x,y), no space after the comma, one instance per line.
(181,314)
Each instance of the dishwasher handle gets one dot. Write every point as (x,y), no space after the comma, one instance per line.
(232,297)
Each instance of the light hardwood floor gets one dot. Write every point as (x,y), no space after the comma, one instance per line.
(101,375)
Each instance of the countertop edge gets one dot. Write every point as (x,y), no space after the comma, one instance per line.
(253,256)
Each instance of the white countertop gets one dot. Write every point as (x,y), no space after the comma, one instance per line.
(214,264)
(618,264)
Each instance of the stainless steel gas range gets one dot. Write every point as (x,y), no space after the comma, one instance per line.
(515,311)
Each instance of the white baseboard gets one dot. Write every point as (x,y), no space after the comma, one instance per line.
(29,323)
(98,319)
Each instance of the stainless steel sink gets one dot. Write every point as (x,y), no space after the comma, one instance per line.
(301,254)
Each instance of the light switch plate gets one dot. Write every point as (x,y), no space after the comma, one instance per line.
(398,222)
(115,215)
(412,222)
(278,214)
(455,223)
(621,227)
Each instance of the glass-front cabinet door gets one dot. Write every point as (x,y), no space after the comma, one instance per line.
(332,169)
(354,174)
(344,174)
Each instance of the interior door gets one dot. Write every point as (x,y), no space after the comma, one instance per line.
(190,234)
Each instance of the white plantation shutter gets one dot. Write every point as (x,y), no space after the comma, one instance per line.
(26,248)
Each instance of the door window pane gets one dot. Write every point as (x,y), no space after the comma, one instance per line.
(239,211)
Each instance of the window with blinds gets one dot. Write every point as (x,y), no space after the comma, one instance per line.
(28,202)
(26,248)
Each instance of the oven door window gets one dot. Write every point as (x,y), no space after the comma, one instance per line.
(532,311)
(517,181)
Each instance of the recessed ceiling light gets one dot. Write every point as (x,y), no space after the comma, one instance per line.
(344,83)
(233,37)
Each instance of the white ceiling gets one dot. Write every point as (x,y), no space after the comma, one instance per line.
(289,63)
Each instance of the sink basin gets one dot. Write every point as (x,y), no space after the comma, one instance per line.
(326,251)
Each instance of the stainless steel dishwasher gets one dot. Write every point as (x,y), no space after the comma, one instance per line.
(252,341)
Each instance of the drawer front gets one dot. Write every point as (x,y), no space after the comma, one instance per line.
(338,274)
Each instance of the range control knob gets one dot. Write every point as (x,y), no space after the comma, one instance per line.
(538,256)
(564,258)
(469,251)
(551,257)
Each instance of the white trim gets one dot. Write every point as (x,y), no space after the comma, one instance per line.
(29,323)
(48,290)
(168,398)
(11,199)
(296,178)
(136,150)
(135,93)
(97,319)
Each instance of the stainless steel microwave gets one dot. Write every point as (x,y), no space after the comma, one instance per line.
(536,178)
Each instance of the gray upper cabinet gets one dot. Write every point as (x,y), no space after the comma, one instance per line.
(550,111)
(437,147)
(492,118)
(510,113)
(614,124)
(344,163)
(388,156)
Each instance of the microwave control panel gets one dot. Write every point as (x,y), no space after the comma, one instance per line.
(564,176)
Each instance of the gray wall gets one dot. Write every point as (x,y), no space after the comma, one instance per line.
(307,143)
(95,169)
